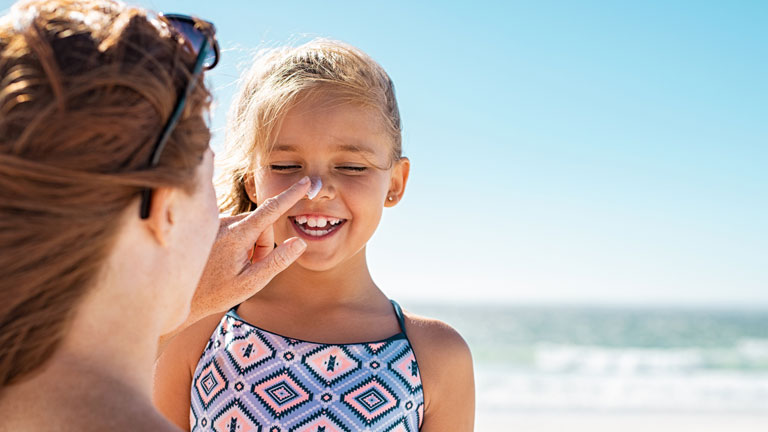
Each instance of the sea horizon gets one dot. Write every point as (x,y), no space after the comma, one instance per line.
(607,364)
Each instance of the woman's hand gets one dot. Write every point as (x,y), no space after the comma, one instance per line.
(243,259)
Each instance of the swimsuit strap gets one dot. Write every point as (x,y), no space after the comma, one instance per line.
(400,318)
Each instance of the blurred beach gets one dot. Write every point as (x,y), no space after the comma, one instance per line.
(546,368)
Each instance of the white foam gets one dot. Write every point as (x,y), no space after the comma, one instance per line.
(704,391)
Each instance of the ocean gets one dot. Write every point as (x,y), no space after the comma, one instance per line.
(613,360)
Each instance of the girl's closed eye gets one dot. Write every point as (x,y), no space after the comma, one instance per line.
(284,167)
(352,168)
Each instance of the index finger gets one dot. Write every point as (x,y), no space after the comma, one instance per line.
(272,208)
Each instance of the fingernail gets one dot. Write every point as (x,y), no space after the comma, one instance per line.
(299,245)
(304,180)
(296,244)
(317,184)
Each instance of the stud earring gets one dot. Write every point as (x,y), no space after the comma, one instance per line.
(390,198)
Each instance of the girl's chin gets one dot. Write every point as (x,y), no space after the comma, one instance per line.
(316,262)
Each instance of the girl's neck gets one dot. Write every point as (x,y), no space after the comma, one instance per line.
(347,283)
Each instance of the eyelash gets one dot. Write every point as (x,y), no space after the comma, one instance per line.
(283,167)
(291,167)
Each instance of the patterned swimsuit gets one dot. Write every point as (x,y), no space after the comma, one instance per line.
(251,380)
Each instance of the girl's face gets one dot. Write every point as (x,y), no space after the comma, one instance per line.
(347,147)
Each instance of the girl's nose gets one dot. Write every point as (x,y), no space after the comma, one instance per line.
(320,188)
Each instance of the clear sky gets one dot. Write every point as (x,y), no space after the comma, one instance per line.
(589,152)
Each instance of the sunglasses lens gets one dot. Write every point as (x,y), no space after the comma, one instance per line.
(195,37)
(210,57)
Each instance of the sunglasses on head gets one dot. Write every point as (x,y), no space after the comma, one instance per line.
(200,37)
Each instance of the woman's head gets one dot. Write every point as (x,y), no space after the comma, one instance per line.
(85,87)
(326,110)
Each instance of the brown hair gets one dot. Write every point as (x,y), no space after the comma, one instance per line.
(85,87)
(281,78)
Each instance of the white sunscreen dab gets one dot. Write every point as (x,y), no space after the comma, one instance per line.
(314,189)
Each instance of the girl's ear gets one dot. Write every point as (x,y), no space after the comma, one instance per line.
(250,187)
(397,182)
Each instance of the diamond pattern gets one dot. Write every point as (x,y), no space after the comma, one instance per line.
(249,380)
(420,414)
(281,393)
(400,426)
(331,363)
(322,421)
(371,401)
(249,351)
(210,383)
(375,348)
(405,367)
(235,417)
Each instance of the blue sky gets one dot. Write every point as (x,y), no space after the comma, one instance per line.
(587,152)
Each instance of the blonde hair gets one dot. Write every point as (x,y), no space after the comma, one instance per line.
(85,87)
(280,78)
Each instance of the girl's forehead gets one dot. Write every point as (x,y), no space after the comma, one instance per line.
(332,130)
(340,116)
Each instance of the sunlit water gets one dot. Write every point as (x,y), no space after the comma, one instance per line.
(614,360)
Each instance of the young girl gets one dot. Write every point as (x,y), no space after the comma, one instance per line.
(321,347)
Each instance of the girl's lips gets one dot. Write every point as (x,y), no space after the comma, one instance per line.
(315,233)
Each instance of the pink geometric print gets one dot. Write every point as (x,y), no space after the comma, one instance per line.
(371,401)
(401,426)
(210,383)
(321,423)
(248,352)
(331,363)
(281,393)
(407,368)
(236,418)
(420,414)
(375,347)
(249,379)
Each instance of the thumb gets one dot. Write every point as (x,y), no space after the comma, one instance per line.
(279,259)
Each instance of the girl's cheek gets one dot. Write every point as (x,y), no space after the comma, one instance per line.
(269,185)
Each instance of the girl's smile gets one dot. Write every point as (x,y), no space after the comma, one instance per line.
(316,227)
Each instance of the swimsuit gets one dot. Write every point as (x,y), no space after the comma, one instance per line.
(252,380)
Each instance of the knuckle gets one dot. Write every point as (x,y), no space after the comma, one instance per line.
(270,206)
(280,261)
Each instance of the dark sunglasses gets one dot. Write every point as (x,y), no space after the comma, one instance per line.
(201,39)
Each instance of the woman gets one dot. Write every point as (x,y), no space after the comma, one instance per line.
(107,211)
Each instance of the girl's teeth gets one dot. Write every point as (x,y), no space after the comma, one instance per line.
(311,225)
(315,232)
(318,221)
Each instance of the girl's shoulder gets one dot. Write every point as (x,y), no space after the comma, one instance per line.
(438,347)
(447,376)
(434,334)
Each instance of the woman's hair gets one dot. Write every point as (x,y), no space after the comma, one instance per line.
(282,77)
(85,88)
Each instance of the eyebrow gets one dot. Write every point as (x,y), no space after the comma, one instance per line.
(352,148)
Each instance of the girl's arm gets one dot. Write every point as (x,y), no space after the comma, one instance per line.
(175,367)
(445,364)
